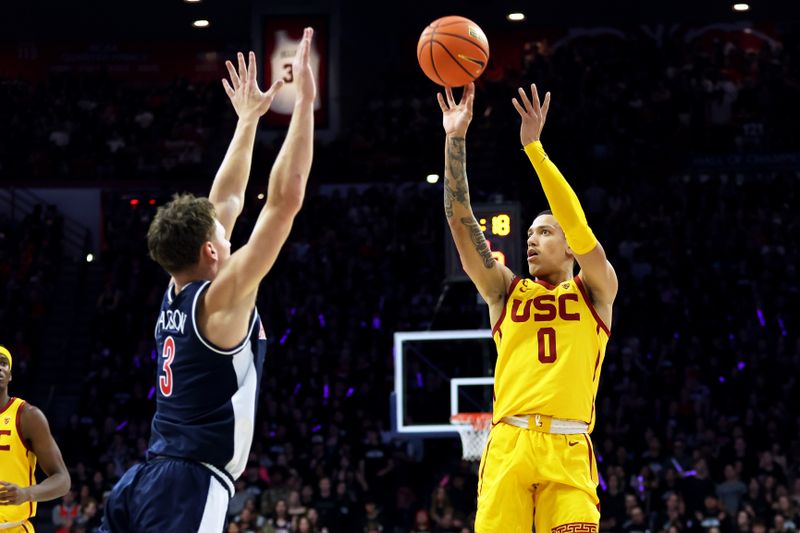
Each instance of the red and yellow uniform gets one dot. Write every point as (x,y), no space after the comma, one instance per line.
(550,348)
(550,345)
(17,465)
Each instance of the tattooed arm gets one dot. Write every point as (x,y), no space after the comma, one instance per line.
(490,277)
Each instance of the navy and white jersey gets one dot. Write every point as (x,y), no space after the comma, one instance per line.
(206,396)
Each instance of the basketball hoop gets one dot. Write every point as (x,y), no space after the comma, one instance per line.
(473,428)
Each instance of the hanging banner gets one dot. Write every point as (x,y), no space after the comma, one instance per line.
(282,36)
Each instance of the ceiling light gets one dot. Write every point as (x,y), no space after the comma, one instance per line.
(741,7)
(515,17)
(202,23)
(432,178)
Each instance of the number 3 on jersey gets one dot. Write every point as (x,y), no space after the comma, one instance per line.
(165,381)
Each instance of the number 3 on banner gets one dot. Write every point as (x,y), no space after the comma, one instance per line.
(546,336)
(165,381)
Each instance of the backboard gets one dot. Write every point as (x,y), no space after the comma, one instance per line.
(440,373)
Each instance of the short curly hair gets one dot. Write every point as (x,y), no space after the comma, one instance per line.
(178,231)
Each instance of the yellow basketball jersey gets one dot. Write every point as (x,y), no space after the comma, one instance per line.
(550,347)
(17,462)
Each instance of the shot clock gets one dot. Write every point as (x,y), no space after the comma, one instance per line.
(502,228)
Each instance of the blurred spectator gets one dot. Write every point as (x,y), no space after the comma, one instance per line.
(65,513)
(731,490)
(280,521)
(376,465)
(612,503)
(244,493)
(440,503)
(697,487)
(88,519)
(636,522)
(713,516)
(325,504)
(422,522)
(372,516)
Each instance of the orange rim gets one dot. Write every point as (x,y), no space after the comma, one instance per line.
(479,421)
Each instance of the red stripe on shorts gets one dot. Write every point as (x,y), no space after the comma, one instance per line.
(591,455)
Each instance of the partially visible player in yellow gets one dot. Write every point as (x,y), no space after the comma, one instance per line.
(24,438)
(550,330)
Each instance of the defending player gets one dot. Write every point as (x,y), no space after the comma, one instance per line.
(209,334)
(25,439)
(551,333)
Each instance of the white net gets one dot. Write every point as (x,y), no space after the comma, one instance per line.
(473,428)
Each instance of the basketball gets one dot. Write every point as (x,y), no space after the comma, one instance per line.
(453,51)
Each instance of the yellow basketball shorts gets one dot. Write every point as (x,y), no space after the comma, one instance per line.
(528,478)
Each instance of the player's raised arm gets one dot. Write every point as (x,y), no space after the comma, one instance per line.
(490,277)
(596,271)
(232,294)
(250,103)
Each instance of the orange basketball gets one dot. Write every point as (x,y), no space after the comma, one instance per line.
(453,51)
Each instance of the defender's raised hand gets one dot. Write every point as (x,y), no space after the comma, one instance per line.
(249,101)
(302,74)
(456,117)
(533,115)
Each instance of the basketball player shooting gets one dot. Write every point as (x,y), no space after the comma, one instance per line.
(551,332)
(208,333)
